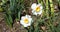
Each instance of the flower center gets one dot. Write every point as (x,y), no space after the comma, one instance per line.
(38,9)
(26,21)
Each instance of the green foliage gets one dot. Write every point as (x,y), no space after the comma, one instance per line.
(1,9)
(47,19)
(13,9)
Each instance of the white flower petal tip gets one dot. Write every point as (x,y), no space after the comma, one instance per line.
(37,9)
(33,6)
(26,20)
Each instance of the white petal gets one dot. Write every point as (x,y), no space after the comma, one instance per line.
(28,24)
(28,16)
(23,17)
(25,25)
(21,21)
(40,12)
(30,20)
(33,6)
(40,6)
(34,12)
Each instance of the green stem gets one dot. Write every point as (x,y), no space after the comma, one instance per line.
(51,25)
(47,9)
(52,8)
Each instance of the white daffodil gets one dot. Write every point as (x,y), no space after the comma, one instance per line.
(26,20)
(36,9)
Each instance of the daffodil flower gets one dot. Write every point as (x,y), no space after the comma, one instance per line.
(36,9)
(26,20)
